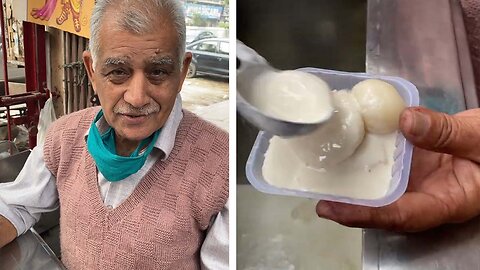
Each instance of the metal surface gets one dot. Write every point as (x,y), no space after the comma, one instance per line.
(34,101)
(9,169)
(280,232)
(7,148)
(11,166)
(32,96)
(453,247)
(28,252)
(425,42)
(251,66)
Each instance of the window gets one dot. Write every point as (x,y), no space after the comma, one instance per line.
(208,46)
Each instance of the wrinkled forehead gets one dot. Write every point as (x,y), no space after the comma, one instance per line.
(139,20)
(138,26)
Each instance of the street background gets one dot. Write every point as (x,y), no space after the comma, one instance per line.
(207,96)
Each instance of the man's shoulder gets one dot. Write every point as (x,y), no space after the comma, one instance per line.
(208,145)
(82,115)
(204,132)
(75,118)
(63,137)
(73,123)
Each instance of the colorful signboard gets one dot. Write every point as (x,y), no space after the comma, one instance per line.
(68,15)
(205,10)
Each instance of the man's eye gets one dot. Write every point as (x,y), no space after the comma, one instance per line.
(118,76)
(157,75)
(158,72)
(118,72)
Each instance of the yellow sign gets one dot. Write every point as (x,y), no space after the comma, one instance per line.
(68,15)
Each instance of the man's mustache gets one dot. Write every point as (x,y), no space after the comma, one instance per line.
(128,109)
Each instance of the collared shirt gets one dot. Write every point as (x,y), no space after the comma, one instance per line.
(34,192)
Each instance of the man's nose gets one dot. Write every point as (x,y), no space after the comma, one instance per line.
(136,93)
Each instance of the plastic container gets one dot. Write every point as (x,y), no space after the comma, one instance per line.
(402,154)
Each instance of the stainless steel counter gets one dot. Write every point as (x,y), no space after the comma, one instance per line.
(453,247)
(424,42)
(28,252)
(10,166)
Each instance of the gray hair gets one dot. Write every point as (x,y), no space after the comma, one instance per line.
(138,17)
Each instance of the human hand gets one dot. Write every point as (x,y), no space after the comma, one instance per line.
(444,185)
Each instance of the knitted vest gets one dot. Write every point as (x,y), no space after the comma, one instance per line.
(162,224)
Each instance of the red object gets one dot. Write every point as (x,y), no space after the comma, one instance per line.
(35,75)
(5,72)
(35,80)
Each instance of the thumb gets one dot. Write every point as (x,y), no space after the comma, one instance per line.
(458,134)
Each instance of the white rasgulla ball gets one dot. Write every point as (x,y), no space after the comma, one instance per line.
(380,105)
(334,141)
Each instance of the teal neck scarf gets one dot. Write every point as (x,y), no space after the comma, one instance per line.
(103,150)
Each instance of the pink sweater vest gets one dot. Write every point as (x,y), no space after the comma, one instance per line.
(162,223)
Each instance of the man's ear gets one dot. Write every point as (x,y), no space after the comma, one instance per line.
(88,62)
(186,63)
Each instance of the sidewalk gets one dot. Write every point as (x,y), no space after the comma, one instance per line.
(216,113)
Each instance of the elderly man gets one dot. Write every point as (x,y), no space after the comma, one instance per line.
(140,184)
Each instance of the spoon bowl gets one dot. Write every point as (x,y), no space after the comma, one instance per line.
(252,66)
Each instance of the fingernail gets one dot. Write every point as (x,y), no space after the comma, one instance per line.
(416,123)
(324,210)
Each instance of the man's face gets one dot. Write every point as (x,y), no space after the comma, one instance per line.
(137,78)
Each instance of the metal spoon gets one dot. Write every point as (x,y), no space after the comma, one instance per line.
(250,65)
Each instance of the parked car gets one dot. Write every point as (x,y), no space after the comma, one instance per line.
(203,35)
(210,56)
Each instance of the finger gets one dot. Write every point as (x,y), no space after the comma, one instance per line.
(452,134)
(412,213)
